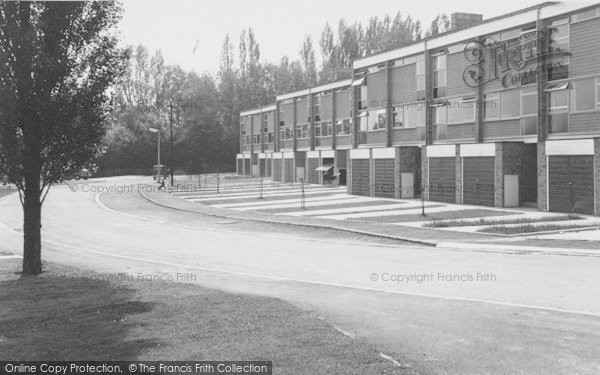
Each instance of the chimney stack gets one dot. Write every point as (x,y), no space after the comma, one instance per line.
(460,21)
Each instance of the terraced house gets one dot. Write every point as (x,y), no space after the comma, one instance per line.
(500,112)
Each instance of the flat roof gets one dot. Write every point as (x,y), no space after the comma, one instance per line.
(259,110)
(489,26)
(315,89)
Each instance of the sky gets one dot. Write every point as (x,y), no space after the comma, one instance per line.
(175,27)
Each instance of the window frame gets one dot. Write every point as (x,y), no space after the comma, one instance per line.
(435,116)
(420,73)
(533,92)
(573,94)
(486,99)
(501,114)
(437,71)
(561,109)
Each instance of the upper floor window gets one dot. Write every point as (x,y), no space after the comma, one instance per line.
(529,101)
(363,100)
(586,14)
(318,107)
(558,99)
(510,104)
(377,120)
(420,69)
(398,117)
(439,76)
(559,47)
(491,106)
(583,95)
(440,114)
(342,127)
(461,110)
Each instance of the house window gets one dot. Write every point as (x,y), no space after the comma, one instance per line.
(455,111)
(491,106)
(529,101)
(468,110)
(510,104)
(398,117)
(559,47)
(317,108)
(363,100)
(415,114)
(317,129)
(420,67)
(376,120)
(558,104)
(586,15)
(583,95)
(439,76)
(558,101)
(343,126)
(304,131)
(440,113)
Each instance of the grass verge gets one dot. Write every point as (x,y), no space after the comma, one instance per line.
(530,228)
(63,315)
(483,221)
(458,214)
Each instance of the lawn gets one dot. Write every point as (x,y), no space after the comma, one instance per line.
(530,228)
(483,221)
(61,316)
(4,191)
(458,214)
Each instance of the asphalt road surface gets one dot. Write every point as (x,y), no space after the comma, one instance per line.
(437,311)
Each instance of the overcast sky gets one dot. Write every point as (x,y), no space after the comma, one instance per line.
(176,26)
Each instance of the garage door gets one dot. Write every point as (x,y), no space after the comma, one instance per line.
(288,170)
(571,184)
(312,176)
(247,170)
(277,170)
(240,166)
(360,177)
(384,177)
(478,180)
(442,179)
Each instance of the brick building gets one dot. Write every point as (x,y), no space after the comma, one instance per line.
(501,112)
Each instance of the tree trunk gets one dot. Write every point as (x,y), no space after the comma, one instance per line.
(32,163)
(32,214)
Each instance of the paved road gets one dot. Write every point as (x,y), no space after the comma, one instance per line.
(439,311)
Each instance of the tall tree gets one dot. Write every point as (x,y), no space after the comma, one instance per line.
(309,64)
(57,61)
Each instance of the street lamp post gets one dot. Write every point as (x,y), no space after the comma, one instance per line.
(153,130)
(171,141)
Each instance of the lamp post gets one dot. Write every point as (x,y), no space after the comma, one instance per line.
(154,130)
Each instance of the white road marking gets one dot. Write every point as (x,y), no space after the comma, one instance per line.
(401,212)
(281,201)
(255,195)
(296,204)
(350,210)
(319,283)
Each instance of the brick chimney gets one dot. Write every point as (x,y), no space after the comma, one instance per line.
(460,21)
